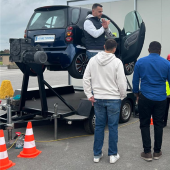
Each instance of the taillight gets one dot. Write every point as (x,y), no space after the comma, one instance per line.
(70,28)
(69,34)
(25,34)
(68,39)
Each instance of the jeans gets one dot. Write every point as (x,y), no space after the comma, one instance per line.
(106,110)
(157,110)
(90,54)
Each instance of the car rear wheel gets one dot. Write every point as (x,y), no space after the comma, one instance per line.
(78,66)
(125,111)
(129,68)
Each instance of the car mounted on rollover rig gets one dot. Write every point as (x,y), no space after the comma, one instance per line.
(58,30)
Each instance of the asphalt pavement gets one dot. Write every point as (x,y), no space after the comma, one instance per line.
(74,149)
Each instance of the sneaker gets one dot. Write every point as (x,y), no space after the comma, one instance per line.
(114,158)
(146,156)
(97,158)
(157,155)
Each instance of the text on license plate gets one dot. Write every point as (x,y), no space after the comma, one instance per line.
(44,38)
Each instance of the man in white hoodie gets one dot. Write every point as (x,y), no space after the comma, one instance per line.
(105,86)
(95,31)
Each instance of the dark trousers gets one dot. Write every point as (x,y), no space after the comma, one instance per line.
(166,111)
(157,110)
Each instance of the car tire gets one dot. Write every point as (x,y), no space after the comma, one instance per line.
(78,66)
(129,68)
(89,124)
(125,111)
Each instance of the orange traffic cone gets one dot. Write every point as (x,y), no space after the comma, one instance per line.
(5,163)
(151,121)
(29,149)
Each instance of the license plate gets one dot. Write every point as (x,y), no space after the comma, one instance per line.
(45,38)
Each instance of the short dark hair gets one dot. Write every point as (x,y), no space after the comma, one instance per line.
(110,44)
(96,5)
(154,47)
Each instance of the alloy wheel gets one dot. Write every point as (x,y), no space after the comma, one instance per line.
(81,63)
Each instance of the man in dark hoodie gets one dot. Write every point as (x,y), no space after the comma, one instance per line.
(95,31)
(104,75)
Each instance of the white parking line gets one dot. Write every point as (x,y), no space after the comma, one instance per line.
(9,72)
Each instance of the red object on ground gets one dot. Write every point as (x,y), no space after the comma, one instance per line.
(18,133)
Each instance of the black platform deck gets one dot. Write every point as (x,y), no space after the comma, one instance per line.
(73,99)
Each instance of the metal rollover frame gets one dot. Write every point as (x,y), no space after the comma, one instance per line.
(10,120)
(44,112)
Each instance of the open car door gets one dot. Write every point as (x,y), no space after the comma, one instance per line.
(132,38)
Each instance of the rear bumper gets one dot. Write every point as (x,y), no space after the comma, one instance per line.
(64,57)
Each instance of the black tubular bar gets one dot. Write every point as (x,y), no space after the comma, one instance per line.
(42,94)
(24,87)
(35,111)
(61,98)
(129,84)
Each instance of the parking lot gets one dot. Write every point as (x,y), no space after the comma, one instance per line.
(74,149)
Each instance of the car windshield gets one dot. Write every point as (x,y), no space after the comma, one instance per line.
(48,19)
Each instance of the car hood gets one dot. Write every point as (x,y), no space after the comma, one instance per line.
(104,58)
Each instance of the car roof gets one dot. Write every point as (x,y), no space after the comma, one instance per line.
(54,7)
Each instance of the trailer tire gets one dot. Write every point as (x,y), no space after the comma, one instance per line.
(89,124)
(125,111)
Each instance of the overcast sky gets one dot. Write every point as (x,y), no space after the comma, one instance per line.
(14,16)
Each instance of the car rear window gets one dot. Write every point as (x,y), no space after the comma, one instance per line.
(48,19)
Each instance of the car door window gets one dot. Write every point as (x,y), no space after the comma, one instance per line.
(132,22)
(113,29)
(132,37)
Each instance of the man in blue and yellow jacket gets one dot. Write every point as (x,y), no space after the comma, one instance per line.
(168,99)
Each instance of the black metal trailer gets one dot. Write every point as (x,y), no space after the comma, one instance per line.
(42,104)
(59,102)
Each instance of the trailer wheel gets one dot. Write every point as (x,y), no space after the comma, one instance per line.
(89,124)
(125,111)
